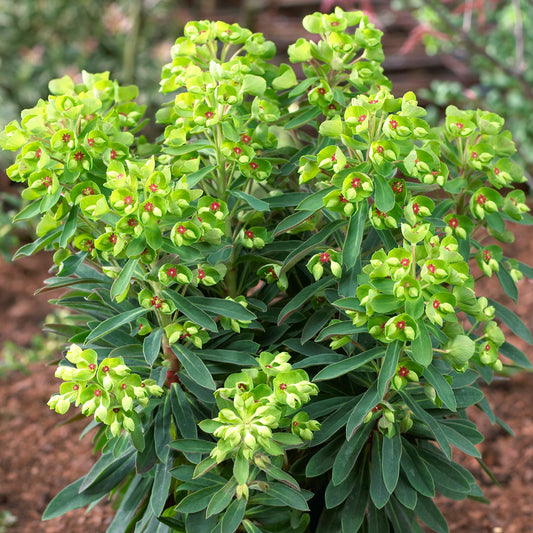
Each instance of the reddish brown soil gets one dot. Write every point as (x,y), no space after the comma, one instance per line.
(38,458)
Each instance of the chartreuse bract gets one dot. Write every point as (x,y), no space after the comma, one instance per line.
(279,328)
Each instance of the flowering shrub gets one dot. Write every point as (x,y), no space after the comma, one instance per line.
(280,329)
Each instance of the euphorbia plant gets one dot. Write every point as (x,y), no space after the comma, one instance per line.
(279,325)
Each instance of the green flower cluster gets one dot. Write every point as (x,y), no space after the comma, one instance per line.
(108,390)
(256,402)
(425,280)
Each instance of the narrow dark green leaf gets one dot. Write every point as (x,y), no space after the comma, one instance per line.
(185,306)
(310,244)
(430,422)
(71,264)
(187,148)
(416,470)
(68,499)
(137,490)
(115,322)
(525,269)
(233,516)
(233,357)
(194,366)
(28,212)
(302,86)
(390,461)
(69,229)
(289,199)
(122,281)
(422,350)
(39,244)
(345,327)
(354,236)
(292,221)
(252,201)
(183,415)
(460,441)
(351,363)
(314,201)
(515,355)
(304,295)
(315,323)
(192,445)
(388,366)
(366,403)
(429,513)
(162,429)
(195,177)
(303,117)
(405,493)
(443,388)
(160,488)
(507,282)
(280,475)
(107,463)
(152,232)
(444,472)
(152,345)
(512,320)
(383,195)
(354,510)
(467,396)
(377,520)
(324,458)
(291,497)
(197,501)
(337,494)
(379,493)
(401,518)
(349,452)
(147,458)
(219,306)
(222,498)
(387,239)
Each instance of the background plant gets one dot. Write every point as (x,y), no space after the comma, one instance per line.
(281,309)
(490,41)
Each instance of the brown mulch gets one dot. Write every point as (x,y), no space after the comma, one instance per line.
(38,458)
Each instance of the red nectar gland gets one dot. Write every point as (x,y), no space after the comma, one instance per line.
(321,90)
(201,274)
(215,206)
(481,199)
(403,372)
(237,150)
(172,272)
(153,187)
(400,324)
(181,229)
(78,156)
(282,386)
(405,262)
(431,268)
(436,304)
(254,165)
(90,141)
(324,257)
(249,234)
(453,223)
(246,139)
